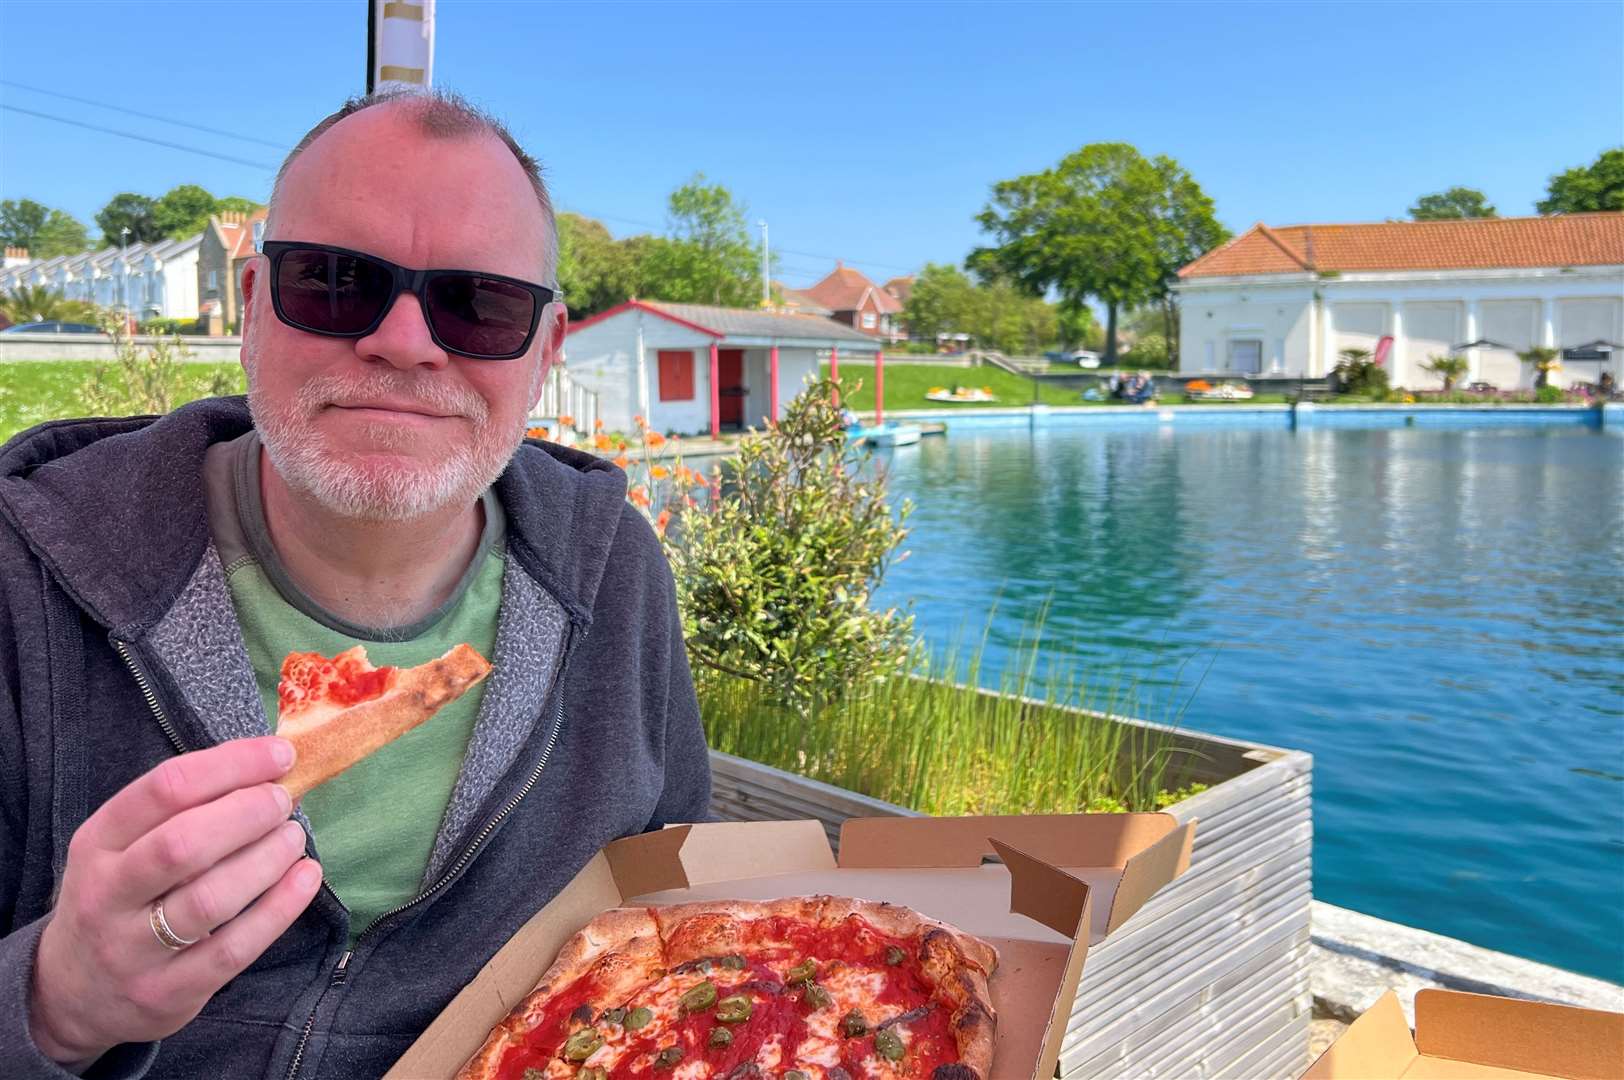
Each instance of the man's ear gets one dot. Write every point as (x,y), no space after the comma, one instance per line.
(250,285)
(555,323)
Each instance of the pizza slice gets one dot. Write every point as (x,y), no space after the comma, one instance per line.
(337,711)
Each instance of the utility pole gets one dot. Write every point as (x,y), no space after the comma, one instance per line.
(766,269)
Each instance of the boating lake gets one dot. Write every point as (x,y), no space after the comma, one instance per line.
(1437,614)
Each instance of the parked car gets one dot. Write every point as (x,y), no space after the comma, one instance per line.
(1084,358)
(54,326)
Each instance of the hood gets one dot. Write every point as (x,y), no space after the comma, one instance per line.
(115,509)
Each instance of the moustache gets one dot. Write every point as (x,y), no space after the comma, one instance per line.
(437,397)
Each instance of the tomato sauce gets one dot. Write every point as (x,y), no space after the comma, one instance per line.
(344,680)
(778,1012)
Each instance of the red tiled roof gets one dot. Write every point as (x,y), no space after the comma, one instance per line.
(239,236)
(901,288)
(845,289)
(1469,244)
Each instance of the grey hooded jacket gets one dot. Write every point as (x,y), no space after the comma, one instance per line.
(119,647)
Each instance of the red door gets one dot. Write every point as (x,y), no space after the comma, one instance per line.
(730,385)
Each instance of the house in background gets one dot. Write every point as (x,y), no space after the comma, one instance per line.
(156,280)
(851,298)
(1285,301)
(693,368)
(797,302)
(229,241)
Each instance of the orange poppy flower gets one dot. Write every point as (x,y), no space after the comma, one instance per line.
(660,472)
(654,440)
(597,425)
(567,421)
(623,462)
(639,496)
(662,521)
(639,421)
(535,433)
(603,442)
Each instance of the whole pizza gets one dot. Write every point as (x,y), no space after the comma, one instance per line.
(804,988)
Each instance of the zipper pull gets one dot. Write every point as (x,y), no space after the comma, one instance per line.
(339,971)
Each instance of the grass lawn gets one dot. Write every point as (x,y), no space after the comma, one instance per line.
(906,385)
(34,391)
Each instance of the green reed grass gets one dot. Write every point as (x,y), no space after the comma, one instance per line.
(1044,743)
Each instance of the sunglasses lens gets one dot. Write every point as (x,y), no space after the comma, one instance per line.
(326,291)
(480,316)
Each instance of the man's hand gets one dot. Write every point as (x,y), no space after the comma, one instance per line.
(208,835)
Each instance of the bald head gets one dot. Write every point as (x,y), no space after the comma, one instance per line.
(436,115)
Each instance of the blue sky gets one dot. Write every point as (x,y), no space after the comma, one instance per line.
(869,132)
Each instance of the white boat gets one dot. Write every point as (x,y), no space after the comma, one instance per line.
(894,434)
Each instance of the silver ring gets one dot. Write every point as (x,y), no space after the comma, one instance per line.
(161,929)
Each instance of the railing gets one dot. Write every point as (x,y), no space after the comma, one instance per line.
(563,398)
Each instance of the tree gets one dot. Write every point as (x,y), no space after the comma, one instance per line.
(708,257)
(1448,368)
(182,211)
(942,302)
(1543,360)
(236,204)
(1452,205)
(1599,186)
(1105,222)
(128,210)
(36,303)
(595,270)
(45,232)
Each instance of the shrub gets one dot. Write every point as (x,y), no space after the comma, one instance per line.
(1150,351)
(775,571)
(1549,395)
(1358,373)
(169,326)
(1447,368)
(1543,360)
(148,380)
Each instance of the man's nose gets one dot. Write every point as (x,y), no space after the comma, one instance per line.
(403,340)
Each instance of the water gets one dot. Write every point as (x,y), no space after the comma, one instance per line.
(1437,615)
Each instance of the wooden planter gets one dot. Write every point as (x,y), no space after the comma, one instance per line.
(1208,979)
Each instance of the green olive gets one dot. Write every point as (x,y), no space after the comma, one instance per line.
(817,997)
(854,1024)
(734,1009)
(589,1072)
(699,997)
(796,1074)
(583,1044)
(613,1016)
(801,972)
(533,1074)
(889,1044)
(639,1017)
(668,1057)
(895,956)
(733,963)
(721,1036)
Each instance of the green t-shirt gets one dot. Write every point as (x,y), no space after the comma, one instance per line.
(375,823)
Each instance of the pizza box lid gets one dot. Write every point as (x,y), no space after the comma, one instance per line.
(1461,1036)
(1040,888)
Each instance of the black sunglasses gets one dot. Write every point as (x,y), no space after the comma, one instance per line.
(337,292)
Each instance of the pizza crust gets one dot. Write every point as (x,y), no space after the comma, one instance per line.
(328,746)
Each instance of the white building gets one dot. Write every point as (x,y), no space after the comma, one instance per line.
(1285,301)
(156,280)
(692,368)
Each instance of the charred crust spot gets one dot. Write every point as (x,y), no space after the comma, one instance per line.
(954,1071)
(582,1013)
(974,1016)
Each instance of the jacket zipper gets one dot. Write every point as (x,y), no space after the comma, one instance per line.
(152,699)
(340,973)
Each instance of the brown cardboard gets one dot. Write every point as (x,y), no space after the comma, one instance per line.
(1460,1036)
(1040,889)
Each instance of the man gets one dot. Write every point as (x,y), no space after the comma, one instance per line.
(162,913)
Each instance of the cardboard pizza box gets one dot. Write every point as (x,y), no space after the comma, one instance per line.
(1460,1036)
(1039,888)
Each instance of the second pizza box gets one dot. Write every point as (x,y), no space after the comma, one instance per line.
(1460,1036)
(1039,888)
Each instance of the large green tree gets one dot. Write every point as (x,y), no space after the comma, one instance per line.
(1598,186)
(183,210)
(1104,223)
(1452,205)
(595,270)
(127,210)
(996,314)
(44,231)
(708,257)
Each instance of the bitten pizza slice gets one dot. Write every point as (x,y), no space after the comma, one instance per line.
(337,711)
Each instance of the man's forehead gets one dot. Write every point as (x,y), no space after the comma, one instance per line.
(377,182)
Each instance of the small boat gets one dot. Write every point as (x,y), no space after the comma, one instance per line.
(961,394)
(891,433)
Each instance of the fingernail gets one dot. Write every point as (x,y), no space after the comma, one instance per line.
(282,753)
(283,799)
(294,832)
